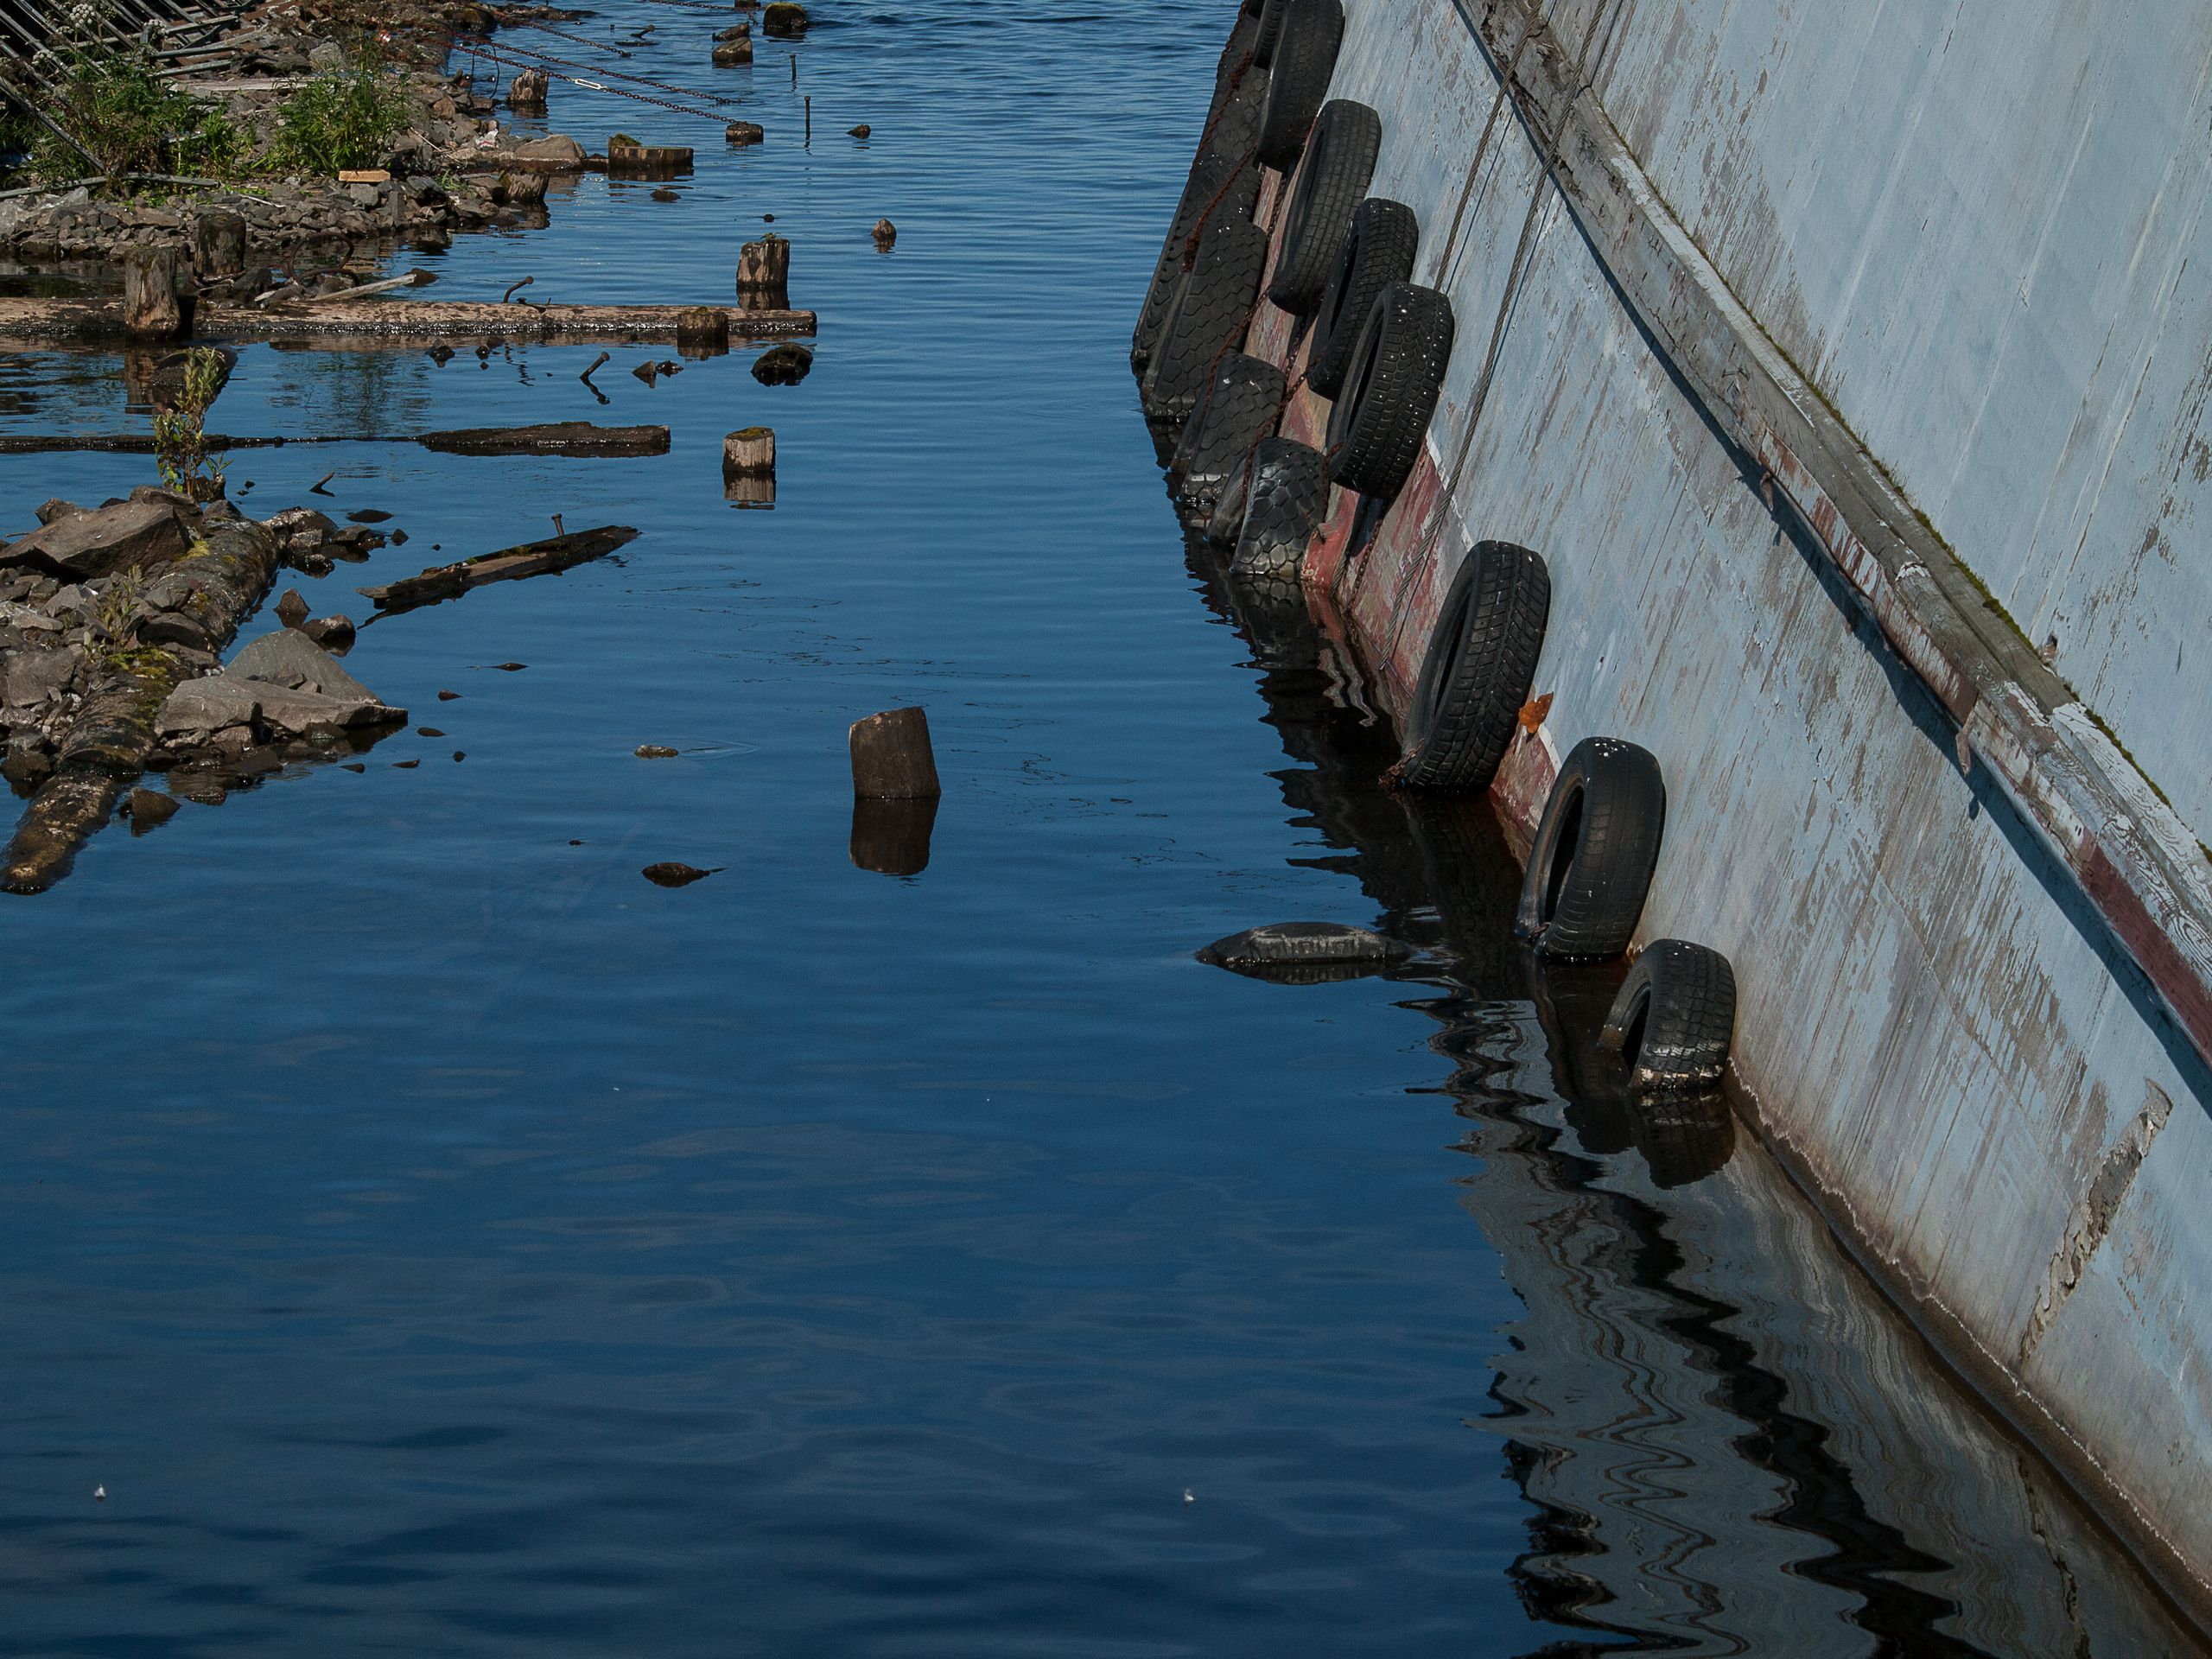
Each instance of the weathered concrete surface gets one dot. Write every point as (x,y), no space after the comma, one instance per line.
(1936,1026)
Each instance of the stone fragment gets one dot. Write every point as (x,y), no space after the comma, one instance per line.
(107,538)
(148,809)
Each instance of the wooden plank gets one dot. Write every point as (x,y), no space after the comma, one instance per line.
(509,565)
(369,324)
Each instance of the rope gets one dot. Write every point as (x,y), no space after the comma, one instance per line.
(581,40)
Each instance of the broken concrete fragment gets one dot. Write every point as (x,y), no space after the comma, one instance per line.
(107,538)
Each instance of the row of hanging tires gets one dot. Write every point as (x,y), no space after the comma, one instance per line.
(1378,346)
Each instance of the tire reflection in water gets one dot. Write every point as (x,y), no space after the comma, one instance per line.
(1729,1444)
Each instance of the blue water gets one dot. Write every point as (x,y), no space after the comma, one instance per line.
(435,1239)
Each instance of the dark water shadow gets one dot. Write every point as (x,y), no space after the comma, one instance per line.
(1716,1459)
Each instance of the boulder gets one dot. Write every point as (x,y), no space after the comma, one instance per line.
(556,153)
(30,675)
(291,659)
(105,539)
(198,709)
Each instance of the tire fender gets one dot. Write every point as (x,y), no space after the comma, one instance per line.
(1672,1021)
(1590,869)
(1380,419)
(1287,497)
(1239,409)
(1378,249)
(1481,663)
(1334,175)
(1300,62)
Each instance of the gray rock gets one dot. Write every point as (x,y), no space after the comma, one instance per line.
(327,54)
(148,809)
(291,659)
(292,609)
(198,709)
(294,714)
(93,543)
(56,510)
(32,676)
(363,195)
(557,150)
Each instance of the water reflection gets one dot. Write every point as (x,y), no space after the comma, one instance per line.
(1728,1443)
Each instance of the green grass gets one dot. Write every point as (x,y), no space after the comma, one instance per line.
(343,119)
(132,121)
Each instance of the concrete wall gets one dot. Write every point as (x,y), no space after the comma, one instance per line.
(1970,1074)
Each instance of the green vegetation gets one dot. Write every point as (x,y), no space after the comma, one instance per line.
(343,119)
(181,434)
(132,121)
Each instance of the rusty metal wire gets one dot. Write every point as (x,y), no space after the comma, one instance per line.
(516,58)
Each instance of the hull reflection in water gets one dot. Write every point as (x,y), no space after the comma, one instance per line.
(1730,1444)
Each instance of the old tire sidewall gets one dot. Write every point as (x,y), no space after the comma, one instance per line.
(1376,250)
(1585,886)
(1333,176)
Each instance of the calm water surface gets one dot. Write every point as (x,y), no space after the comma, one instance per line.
(436,1239)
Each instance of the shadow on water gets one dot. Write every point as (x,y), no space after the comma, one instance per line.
(1727,1443)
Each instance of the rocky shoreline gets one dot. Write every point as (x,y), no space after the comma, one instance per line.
(453,167)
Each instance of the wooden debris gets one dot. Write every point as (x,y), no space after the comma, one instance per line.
(358,324)
(764,273)
(217,245)
(749,466)
(149,307)
(526,92)
(892,758)
(893,837)
(509,565)
(579,439)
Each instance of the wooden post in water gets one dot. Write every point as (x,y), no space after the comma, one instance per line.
(527,91)
(891,760)
(764,273)
(749,466)
(217,245)
(702,331)
(149,307)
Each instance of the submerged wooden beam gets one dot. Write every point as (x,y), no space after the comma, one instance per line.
(509,565)
(371,322)
(580,439)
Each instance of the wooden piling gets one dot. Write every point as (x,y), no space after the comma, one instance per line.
(149,303)
(217,245)
(893,837)
(527,91)
(764,271)
(702,330)
(891,759)
(749,467)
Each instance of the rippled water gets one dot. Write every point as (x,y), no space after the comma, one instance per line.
(435,1239)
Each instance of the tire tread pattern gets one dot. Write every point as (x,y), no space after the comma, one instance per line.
(1686,997)
(1467,714)
(1299,72)
(1225,181)
(1608,870)
(1238,410)
(1375,433)
(1339,164)
(1378,249)
(1213,303)
(1288,497)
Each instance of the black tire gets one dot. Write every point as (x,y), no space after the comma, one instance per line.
(1673,1020)
(1224,182)
(1299,68)
(1590,869)
(1377,250)
(1238,410)
(1270,31)
(1213,304)
(1481,663)
(1380,420)
(1683,1138)
(1339,164)
(1288,496)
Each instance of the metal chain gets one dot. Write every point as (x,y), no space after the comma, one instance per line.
(499,56)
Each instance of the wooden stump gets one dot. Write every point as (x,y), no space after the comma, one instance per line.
(893,837)
(732,55)
(217,245)
(745,132)
(891,759)
(764,273)
(149,307)
(527,91)
(749,467)
(702,331)
(886,234)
